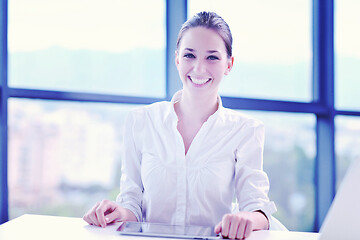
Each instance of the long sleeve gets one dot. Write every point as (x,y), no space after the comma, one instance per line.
(251,182)
(131,188)
(160,183)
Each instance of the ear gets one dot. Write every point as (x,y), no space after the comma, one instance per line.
(229,65)
(177,58)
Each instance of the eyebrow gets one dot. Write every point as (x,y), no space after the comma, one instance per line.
(212,51)
(209,51)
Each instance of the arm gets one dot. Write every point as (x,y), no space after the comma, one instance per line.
(128,204)
(251,182)
(251,186)
(131,188)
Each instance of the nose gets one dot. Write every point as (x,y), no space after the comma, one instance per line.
(199,66)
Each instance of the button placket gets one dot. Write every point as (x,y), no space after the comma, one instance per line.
(181,187)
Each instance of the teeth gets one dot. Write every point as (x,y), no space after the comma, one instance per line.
(199,81)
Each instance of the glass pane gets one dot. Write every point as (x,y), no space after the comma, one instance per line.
(271,44)
(89,46)
(347,142)
(289,158)
(347,54)
(63,156)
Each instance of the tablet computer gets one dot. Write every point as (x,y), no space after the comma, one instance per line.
(167,230)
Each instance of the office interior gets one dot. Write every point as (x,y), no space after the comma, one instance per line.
(72,70)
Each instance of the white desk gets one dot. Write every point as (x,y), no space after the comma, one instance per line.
(48,227)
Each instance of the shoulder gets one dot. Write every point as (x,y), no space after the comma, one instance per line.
(248,129)
(240,119)
(154,110)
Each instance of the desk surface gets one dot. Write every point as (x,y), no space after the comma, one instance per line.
(50,227)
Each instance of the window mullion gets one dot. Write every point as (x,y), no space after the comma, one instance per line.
(4,212)
(323,77)
(176,14)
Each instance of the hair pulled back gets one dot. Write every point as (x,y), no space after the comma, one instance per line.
(209,20)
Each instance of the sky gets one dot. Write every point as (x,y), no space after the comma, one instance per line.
(347,30)
(277,30)
(107,25)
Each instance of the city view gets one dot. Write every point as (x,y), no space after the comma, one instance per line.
(65,156)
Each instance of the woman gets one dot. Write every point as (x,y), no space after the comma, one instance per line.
(185,160)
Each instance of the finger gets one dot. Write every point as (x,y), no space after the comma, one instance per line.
(85,218)
(217,228)
(93,218)
(241,230)
(104,206)
(248,229)
(225,226)
(112,217)
(233,230)
(90,215)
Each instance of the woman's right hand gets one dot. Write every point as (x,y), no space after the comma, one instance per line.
(106,211)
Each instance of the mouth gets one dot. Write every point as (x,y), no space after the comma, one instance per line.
(199,81)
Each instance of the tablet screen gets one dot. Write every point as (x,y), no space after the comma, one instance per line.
(166,230)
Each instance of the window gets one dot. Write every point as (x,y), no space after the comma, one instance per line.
(271,46)
(77,48)
(347,54)
(347,144)
(112,47)
(289,156)
(63,156)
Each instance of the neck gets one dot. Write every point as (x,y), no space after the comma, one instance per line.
(197,108)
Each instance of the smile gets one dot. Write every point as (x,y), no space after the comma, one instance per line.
(199,81)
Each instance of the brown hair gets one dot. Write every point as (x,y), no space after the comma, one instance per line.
(212,21)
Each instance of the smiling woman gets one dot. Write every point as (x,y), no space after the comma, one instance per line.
(174,150)
(199,64)
(202,57)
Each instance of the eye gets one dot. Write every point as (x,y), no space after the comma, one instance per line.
(212,57)
(189,55)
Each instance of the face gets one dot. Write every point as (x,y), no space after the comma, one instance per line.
(202,61)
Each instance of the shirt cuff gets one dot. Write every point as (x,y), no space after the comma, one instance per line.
(267,209)
(133,209)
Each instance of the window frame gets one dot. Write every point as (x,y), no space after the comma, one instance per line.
(322,105)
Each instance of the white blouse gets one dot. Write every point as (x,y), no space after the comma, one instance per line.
(159,183)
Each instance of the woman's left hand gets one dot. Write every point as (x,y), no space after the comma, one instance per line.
(240,225)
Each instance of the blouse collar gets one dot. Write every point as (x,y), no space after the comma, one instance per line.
(171,114)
